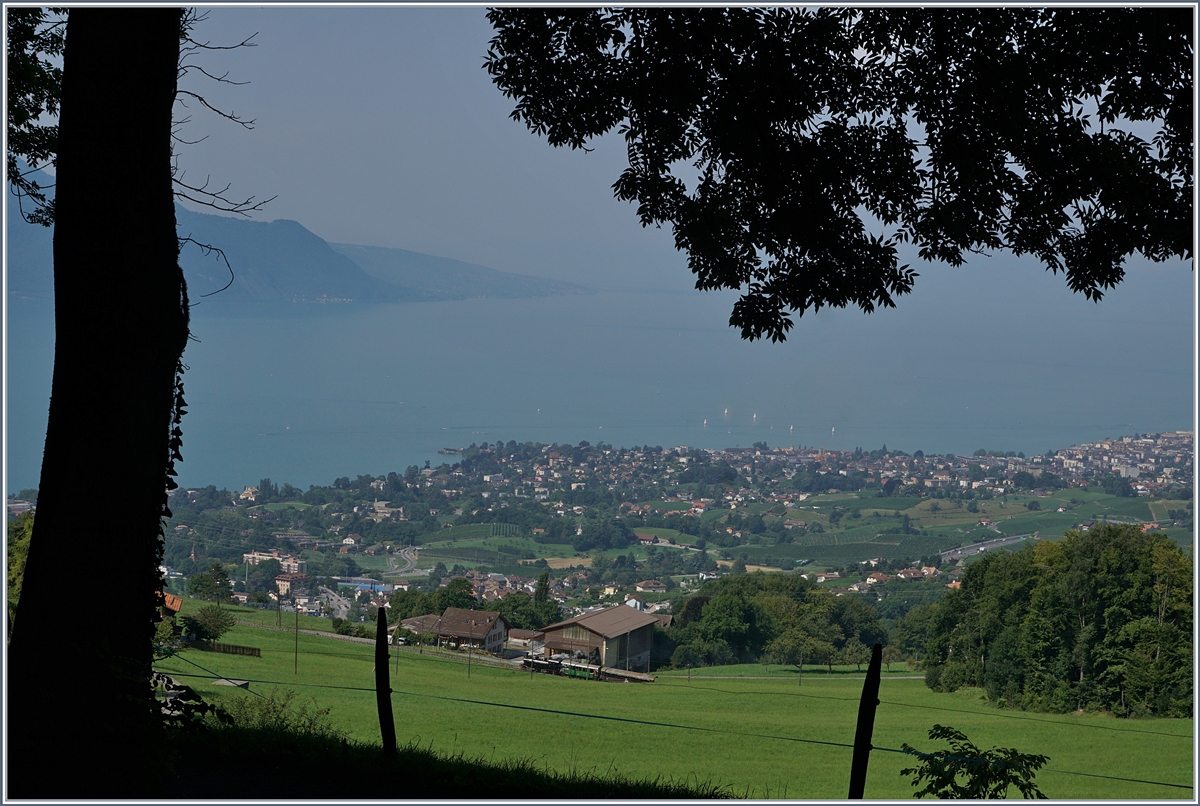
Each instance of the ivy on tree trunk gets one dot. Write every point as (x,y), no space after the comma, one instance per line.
(79,673)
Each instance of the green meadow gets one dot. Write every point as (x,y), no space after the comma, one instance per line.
(664,534)
(451,548)
(280,506)
(751,734)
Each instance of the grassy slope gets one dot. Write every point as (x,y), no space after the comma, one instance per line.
(437,706)
(276,765)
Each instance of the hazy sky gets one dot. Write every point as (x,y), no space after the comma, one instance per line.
(379,126)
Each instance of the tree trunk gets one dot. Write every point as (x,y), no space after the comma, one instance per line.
(78,678)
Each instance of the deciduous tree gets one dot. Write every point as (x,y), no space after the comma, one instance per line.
(793,150)
(209,623)
(456,593)
(121,324)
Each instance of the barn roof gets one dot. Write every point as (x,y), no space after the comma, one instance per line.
(167,600)
(610,622)
(421,624)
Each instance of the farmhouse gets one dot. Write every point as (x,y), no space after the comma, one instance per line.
(616,636)
(421,625)
(170,605)
(482,628)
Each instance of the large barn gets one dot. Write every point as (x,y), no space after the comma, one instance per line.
(617,637)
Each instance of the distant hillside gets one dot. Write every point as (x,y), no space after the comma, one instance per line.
(275,261)
(446,278)
(281,261)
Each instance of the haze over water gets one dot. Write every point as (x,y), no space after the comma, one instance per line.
(997,355)
(977,358)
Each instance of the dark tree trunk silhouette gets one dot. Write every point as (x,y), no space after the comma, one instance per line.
(78,685)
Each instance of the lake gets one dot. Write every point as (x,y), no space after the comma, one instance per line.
(1001,357)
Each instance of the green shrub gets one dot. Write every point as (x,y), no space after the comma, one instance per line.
(280,712)
(209,623)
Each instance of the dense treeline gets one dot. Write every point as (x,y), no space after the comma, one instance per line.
(781,618)
(1101,620)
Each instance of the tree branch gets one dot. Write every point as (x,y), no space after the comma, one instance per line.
(208,249)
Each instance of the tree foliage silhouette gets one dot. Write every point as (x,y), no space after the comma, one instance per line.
(34,41)
(793,150)
(963,771)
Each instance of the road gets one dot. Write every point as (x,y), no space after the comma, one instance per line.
(986,545)
(409,555)
(338,605)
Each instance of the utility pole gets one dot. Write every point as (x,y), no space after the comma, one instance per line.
(296,657)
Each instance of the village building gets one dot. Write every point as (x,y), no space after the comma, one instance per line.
(288,583)
(421,625)
(170,606)
(287,563)
(618,637)
(480,628)
(528,640)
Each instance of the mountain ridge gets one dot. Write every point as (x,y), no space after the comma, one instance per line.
(283,261)
(449,278)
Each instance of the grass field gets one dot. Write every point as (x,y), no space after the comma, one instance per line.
(485,544)
(669,506)
(280,506)
(457,533)
(664,533)
(376,563)
(749,734)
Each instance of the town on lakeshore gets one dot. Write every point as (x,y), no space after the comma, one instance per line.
(640,525)
(579,529)
(635,523)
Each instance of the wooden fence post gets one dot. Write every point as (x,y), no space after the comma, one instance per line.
(383,688)
(866,725)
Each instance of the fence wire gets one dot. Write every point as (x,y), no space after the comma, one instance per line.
(669,725)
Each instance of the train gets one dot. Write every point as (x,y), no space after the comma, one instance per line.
(585,671)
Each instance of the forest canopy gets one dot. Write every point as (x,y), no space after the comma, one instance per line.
(1100,620)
